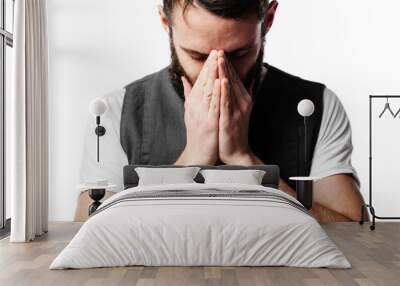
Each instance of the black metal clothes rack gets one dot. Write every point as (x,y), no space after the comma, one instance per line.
(370,205)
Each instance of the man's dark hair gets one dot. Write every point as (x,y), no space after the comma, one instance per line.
(231,9)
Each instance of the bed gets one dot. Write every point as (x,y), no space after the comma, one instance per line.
(201,224)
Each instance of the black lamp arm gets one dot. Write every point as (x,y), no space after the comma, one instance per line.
(100,131)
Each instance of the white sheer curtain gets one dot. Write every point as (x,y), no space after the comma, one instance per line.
(28,156)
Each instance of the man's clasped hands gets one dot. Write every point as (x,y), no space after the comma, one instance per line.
(217,115)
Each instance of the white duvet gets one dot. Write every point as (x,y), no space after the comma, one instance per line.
(203,231)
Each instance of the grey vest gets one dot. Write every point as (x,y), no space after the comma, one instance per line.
(153,129)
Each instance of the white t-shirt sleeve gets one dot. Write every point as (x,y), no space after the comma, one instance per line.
(112,156)
(333,150)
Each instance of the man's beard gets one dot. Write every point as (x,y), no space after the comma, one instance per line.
(176,71)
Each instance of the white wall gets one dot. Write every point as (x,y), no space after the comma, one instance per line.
(97,46)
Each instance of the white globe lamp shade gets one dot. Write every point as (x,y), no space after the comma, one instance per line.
(305,108)
(97,107)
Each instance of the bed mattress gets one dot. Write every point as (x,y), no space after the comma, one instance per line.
(201,225)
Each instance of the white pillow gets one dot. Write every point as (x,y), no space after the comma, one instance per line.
(162,176)
(248,177)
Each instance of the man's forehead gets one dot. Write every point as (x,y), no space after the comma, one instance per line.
(201,31)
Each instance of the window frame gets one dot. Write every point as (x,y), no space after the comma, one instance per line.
(6,39)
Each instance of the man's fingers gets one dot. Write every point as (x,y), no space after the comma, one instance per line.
(203,76)
(240,91)
(216,99)
(222,72)
(187,87)
(235,81)
(212,76)
(226,70)
(226,101)
(232,75)
(251,87)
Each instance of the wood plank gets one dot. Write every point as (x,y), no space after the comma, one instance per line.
(374,255)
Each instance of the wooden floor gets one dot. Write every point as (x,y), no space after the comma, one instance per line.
(375,257)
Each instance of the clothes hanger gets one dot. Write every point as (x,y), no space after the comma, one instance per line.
(387,107)
(397,113)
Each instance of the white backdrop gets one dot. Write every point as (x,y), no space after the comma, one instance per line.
(97,46)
